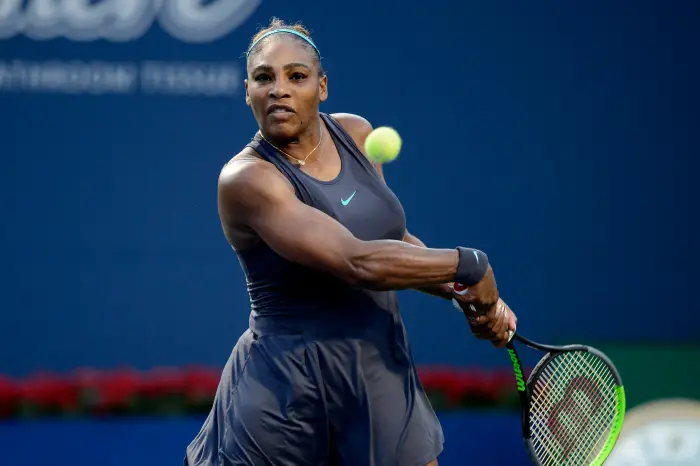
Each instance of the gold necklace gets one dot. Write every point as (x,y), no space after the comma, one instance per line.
(301,162)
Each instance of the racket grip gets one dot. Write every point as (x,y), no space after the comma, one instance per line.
(463,290)
(459,308)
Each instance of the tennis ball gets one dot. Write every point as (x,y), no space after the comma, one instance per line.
(383,145)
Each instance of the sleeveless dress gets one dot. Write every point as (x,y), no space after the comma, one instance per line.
(324,375)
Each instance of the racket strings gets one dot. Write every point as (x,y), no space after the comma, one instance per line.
(577,434)
(588,384)
(607,409)
(592,438)
(573,405)
(541,414)
(563,446)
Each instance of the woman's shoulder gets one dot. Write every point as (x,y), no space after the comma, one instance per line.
(357,126)
(249,172)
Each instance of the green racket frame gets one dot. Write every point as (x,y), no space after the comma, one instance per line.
(525,391)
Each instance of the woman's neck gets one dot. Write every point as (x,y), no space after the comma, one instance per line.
(304,147)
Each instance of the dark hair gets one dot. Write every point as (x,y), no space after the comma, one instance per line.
(276,23)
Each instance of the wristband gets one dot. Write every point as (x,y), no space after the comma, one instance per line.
(472,266)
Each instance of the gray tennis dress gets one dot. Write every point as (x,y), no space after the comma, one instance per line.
(324,375)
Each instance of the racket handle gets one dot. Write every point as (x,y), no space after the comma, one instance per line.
(463,290)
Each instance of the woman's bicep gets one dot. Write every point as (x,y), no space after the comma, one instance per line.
(294,230)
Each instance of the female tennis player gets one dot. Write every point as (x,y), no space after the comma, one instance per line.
(324,375)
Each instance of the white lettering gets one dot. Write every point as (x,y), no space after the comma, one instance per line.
(190,21)
(68,77)
(208,79)
(75,77)
(122,20)
(11,20)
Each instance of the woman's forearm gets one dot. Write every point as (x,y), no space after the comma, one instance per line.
(443,290)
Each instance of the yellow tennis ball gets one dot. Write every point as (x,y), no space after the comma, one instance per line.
(383,145)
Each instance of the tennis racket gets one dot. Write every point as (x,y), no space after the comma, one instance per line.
(572,405)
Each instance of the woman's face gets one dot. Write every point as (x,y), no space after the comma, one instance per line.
(284,86)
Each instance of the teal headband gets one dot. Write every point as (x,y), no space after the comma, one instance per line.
(290,31)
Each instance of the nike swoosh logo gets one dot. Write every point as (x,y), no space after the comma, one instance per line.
(347,201)
(477,256)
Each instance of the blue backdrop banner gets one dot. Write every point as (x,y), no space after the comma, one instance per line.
(556,138)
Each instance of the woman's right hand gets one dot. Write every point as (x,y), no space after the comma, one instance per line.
(478,298)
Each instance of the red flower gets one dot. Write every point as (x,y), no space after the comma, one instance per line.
(162,381)
(49,392)
(192,389)
(118,389)
(201,383)
(473,385)
(9,396)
